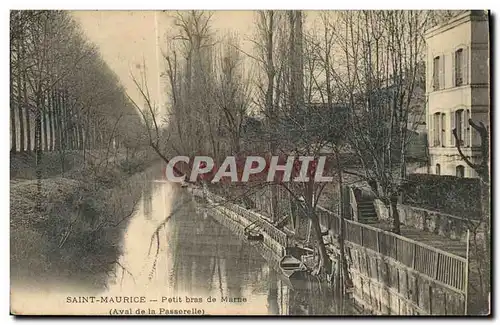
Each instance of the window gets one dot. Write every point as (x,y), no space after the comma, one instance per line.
(459,67)
(460,170)
(436,73)
(439,129)
(436,129)
(460,125)
(438,169)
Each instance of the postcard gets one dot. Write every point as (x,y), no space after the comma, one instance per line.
(265,162)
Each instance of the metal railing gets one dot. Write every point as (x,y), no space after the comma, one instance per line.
(276,234)
(444,267)
(439,265)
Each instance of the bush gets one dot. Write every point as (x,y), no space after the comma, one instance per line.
(132,166)
(23,164)
(74,230)
(447,194)
(75,233)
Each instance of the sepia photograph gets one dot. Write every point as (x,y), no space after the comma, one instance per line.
(248,163)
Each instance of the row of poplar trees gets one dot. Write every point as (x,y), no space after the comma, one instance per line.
(63,96)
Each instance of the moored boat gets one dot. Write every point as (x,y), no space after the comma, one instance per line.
(291,265)
(252,232)
(255,236)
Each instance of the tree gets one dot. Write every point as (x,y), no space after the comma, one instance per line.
(60,81)
(482,249)
(378,69)
(482,168)
(232,93)
(190,73)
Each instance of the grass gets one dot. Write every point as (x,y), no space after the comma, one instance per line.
(75,234)
(52,164)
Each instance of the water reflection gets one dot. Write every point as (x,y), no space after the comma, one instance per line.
(191,255)
(147,199)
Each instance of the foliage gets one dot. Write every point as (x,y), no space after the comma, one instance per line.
(448,194)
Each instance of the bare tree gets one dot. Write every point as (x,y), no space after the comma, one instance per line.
(190,66)
(481,233)
(380,55)
(231,93)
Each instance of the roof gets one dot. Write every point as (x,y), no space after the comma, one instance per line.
(467,16)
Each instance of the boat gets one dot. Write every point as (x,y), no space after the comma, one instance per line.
(291,265)
(252,232)
(255,236)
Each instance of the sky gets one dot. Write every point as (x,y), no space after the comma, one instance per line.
(126,39)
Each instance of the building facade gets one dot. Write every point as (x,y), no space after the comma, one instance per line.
(457,89)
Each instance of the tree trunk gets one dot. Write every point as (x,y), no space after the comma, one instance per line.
(19,97)
(38,150)
(66,126)
(269,102)
(62,120)
(76,135)
(44,122)
(81,138)
(485,245)
(63,142)
(396,222)
(57,118)
(292,64)
(51,120)
(27,113)
(88,138)
(342,259)
(324,264)
(95,144)
(392,206)
(13,145)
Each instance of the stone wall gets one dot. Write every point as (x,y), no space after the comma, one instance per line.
(443,224)
(237,218)
(381,210)
(353,204)
(381,284)
(271,250)
(385,287)
(436,222)
(393,275)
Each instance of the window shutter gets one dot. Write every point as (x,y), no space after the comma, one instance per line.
(435,126)
(452,116)
(453,75)
(441,72)
(464,127)
(431,74)
(431,131)
(443,130)
(467,128)
(465,66)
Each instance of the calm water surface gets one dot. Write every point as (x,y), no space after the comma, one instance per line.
(174,249)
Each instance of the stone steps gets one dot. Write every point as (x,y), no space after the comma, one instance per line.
(366,212)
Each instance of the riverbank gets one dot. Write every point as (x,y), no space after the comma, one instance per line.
(74,236)
(308,294)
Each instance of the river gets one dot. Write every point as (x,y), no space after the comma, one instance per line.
(177,258)
(173,249)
